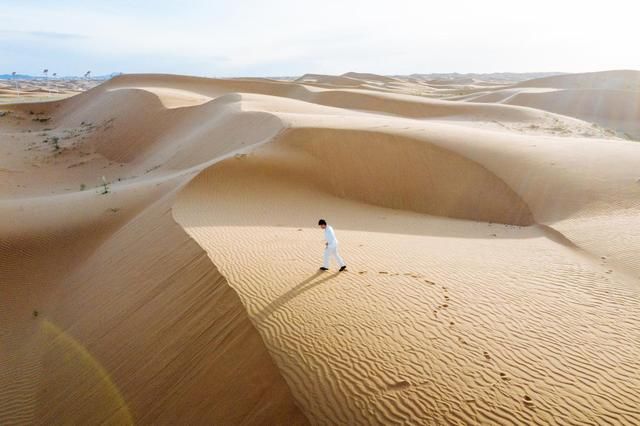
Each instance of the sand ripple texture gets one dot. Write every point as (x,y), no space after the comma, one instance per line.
(159,255)
(437,321)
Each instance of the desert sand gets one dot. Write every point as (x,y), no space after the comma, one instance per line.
(159,254)
(22,90)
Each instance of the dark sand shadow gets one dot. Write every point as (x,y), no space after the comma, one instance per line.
(305,285)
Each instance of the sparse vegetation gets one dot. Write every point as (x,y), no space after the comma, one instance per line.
(105,187)
(560,129)
(55,142)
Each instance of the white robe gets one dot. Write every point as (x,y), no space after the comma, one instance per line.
(332,248)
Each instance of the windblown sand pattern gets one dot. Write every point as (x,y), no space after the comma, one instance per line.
(492,250)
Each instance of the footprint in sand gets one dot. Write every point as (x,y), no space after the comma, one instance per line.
(446,298)
(445,306)
(383,272)
(451,323)
(362,272)
(503,376)
(429,282)
(528,401)
(487,356)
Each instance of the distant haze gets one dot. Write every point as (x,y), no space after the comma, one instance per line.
(286,38)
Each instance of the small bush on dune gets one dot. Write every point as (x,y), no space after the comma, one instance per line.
(55,142)
(105,186)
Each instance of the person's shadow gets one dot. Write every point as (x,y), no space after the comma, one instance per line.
(300,288)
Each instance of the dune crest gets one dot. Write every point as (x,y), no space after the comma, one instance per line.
(159,255)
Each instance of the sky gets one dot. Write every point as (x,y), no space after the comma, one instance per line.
(289,38)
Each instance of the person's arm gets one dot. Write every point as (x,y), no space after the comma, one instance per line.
(331,236)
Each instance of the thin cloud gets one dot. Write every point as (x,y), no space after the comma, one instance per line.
(48,35)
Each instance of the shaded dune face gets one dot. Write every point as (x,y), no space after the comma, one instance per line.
(144,329)
(393,171)
(438,321)
(111,312)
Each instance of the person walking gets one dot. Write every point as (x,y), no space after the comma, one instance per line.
(331,247)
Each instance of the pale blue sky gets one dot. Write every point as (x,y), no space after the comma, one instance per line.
(283,37)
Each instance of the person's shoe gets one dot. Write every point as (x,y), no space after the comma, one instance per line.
(343,268)
(324,269)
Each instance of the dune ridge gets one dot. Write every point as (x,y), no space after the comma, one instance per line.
(609,99)
(107,303)
(488,259)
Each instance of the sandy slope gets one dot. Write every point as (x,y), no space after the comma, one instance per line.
(133,321)
(610,99)
(492,251)
(12,91)
(612,80)
(145,329)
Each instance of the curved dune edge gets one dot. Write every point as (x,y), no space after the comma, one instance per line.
(439,320)
(410,334)
(144,330)
(431,180)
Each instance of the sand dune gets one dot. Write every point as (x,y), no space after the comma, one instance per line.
(107,302)
(330,80)
(627,80)
(617,110)
(143,329)
(492,251)
(609,99)
(21,90)
(371,77)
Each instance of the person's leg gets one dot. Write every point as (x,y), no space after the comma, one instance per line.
(325,264)
(338,258)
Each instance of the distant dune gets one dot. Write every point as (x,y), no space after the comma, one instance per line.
(370,77)
(159,254)
(610,99)
(609,80)
(29,89)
